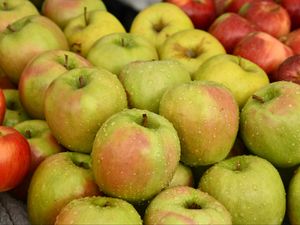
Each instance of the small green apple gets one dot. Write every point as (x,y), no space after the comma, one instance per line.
(293,198)
(146,81)
(241,76)
(183,176)
(127,47)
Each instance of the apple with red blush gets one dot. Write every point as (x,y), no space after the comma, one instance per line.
(288,70)
(292,40)
(293,8)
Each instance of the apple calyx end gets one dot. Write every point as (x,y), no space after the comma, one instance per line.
(258,98)
(28,134)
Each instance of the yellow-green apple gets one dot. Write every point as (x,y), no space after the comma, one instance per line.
(268,16)
(42,144)
(40,72)
(259,47)
(59,179)
(206,117)
(288,70)
(249,187)
(241,76)
(201,12)
(13,10)
(183,176)
(135,155)
(269,123)
(128,47)
(26,38)
(84,30)
(156,23)
(293,8)
(292,40)
(98,210)
(191,48)
(15,112)
(5,82)
(78,102)
(2,106)
(146,81)
(293,198)
(229,28)
(62,11)
(186,205)
(14,158)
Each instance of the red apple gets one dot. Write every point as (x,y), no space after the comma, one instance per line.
(14,158)
(236,5)
(292,40)
(288,70)
(201,12)
(264,50)
(268,16)
(230,28)
(221,6)
(293,8)
(2,106)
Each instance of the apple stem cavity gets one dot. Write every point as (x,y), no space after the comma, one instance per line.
(238,166)
(28,134)
(10,28)
(85,16)
(145,120)
(258,98)
(76,47)
(191,53)
(193,206)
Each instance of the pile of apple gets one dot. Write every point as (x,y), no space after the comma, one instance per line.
(190,117)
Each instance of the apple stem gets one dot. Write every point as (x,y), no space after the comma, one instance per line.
(258,98)
(81,82)
(4,5)
(66,64)
(28,134)
(85,16)
(145,120)
(9,27)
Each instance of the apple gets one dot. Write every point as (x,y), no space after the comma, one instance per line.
(183,176)
(185,205)
(288,70)
(62,11)
(241,76)
(146,81)
(78,102)
(40,72)
(221,6)
(59,179)
(206,117)
(229,28)
(268,16)
(159,21)
(293,8)
(293,198)
(14,158)
(84,30)
(292,40)
(259,47)
(17,47)
(42,144)
(201,12)
(2,106)
(127,47)
(98,210)
(14,112)
(135,155)
(249,187)
(191,48)
(11,11)
(236,5)
(269,123)
(5,82)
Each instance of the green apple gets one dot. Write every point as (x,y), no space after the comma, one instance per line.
(183,176)
(114,51)
(250,188)
(206,117)
(146,81)
(270,122)
(26,38)
(158,21)
(84,30)
(62,11)
(59,179)
(191,47)
(185,205)
(241,76)
(135,155)
(293,198)
(15,112)
(98,210)
(78,102)
(40,72)
(12,10)
(42,144)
